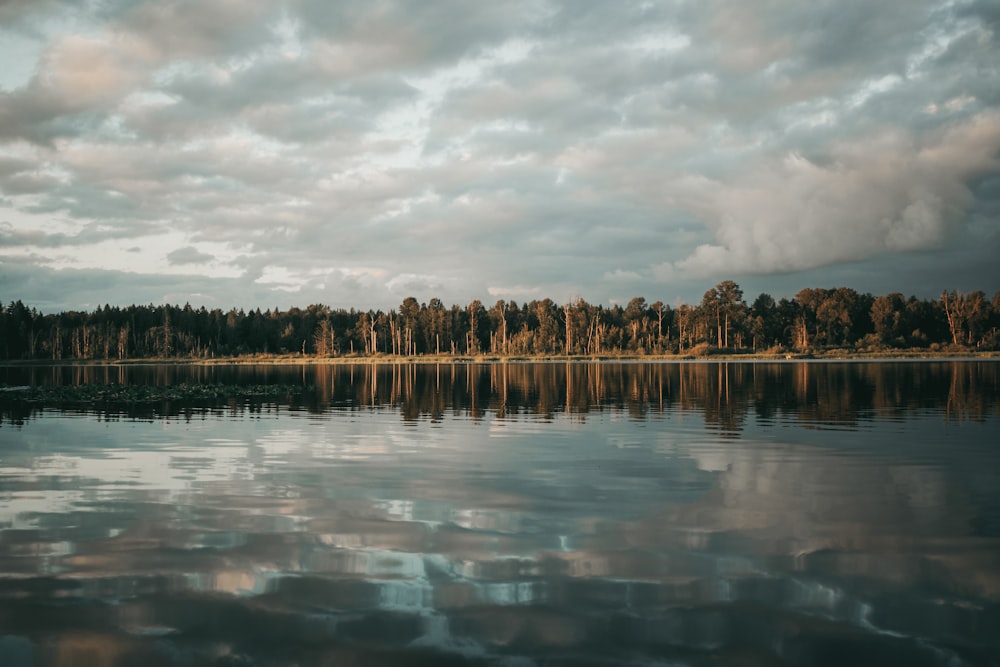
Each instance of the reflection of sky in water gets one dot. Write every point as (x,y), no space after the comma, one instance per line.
(657,524)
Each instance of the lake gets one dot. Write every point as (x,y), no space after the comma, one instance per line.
(793,513)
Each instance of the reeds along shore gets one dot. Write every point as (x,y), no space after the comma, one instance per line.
(818,322)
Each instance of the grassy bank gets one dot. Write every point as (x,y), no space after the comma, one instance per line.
(694,355)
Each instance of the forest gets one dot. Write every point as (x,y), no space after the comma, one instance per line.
(816,320)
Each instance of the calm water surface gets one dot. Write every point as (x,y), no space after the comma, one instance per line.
(521,514)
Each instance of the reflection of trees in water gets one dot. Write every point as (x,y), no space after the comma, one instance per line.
(724,393)
(967,399)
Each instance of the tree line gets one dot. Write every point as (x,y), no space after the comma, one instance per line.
(816,319)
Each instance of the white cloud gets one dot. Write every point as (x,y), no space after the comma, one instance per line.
(884,194)
(514,291)
(410,284)
(281,278)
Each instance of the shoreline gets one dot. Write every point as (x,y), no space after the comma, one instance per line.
(300,360)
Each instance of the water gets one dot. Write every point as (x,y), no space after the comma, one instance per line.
(521,514)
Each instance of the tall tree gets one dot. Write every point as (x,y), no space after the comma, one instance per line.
(498,326)
(887,314)
(725,304)
(966,313)
(438,332)
(663,313)
(477,323)
(684,316)
(834,314)
(765,322)
(635,321)
(323,340)
(409,312)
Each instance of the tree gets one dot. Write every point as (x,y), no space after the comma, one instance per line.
(323,341)
(477,317)
(887,314)
(977,314)
(409,312)
(765,322)
(366,328)
(684,316)
(725,304)
(967,314)
(436,326)
(164,343)
(635,321)
(809,301)
(834,314)
(498,327)
(546,339)
(662,315)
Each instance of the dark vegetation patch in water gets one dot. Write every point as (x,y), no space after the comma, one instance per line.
(123,394)
(114,401)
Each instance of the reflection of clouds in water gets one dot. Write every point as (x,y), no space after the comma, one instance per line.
(21,511)
(104,475)
(490,532)
(489,520)
(254,581)
(508,428)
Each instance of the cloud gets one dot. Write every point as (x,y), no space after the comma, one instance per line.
(188,255)
(408,284)
(890,193)
(13,13)
(514,291)
(74,76)
(188,29)
(621,275)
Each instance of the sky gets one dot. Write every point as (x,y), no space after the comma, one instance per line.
(245,153)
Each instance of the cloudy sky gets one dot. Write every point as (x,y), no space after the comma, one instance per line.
(250,153)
